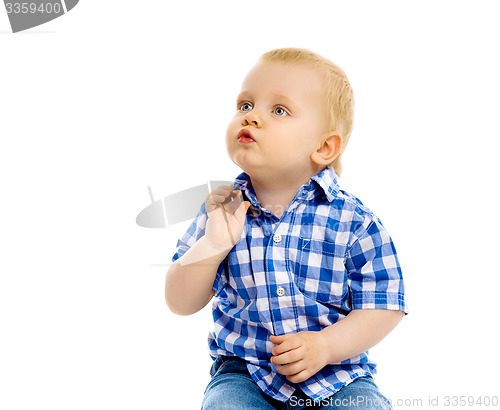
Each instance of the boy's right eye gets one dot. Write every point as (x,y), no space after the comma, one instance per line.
(246,107)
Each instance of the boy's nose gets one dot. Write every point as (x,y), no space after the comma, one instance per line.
(251,118)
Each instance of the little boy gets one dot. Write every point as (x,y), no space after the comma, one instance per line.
(305,278)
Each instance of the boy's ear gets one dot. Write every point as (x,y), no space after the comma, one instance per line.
(329,148)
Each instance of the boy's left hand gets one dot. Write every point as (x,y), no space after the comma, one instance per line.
(299,356)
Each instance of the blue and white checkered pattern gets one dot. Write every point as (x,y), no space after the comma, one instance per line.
(326,255)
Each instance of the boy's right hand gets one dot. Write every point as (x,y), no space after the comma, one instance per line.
(226,217)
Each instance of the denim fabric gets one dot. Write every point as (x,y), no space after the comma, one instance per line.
(232,388)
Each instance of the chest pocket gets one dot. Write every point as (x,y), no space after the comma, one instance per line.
(321,271)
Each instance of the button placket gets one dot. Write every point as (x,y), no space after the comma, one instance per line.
(280,291)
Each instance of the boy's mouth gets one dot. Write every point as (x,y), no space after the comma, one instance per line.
(245,137)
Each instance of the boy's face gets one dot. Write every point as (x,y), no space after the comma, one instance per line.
(280,106)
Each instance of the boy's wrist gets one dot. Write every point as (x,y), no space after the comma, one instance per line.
(332,344)
(205,251)
(218,249)
(213,250)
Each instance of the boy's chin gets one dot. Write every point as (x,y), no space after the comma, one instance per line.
(258,173)
(245,168)
(243,165)
(260,170)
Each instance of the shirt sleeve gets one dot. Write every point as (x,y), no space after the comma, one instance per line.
(374,275)
(195,231)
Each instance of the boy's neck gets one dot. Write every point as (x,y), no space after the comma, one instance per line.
(275,194)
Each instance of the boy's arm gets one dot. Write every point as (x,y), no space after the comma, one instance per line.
(374,277)
(189,281)
(358,332)
(301,355)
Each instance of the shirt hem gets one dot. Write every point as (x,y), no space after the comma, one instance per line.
(328,392)
(379,300)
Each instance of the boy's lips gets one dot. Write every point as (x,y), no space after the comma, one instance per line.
(245,136)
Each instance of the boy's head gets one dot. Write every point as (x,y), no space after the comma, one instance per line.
(298,108)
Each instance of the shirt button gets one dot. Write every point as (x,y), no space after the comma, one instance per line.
(280,291)
(277,238)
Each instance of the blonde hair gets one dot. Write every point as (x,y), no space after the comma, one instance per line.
(338,95)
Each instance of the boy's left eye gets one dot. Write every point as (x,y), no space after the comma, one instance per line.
(280,111)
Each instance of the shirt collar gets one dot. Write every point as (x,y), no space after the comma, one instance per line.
(326,179)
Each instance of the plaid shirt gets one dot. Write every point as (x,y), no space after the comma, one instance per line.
(326,255)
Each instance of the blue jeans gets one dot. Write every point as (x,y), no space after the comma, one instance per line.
(232,388)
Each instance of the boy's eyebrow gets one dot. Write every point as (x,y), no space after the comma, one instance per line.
(288,100)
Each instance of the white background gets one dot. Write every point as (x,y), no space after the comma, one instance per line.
(118,95)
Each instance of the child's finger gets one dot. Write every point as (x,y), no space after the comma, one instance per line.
(223,190)
(242,209)
(288,357)
(289,343)
(277,339)
(220,197)
(219,194)
(213,202)
(232,202)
